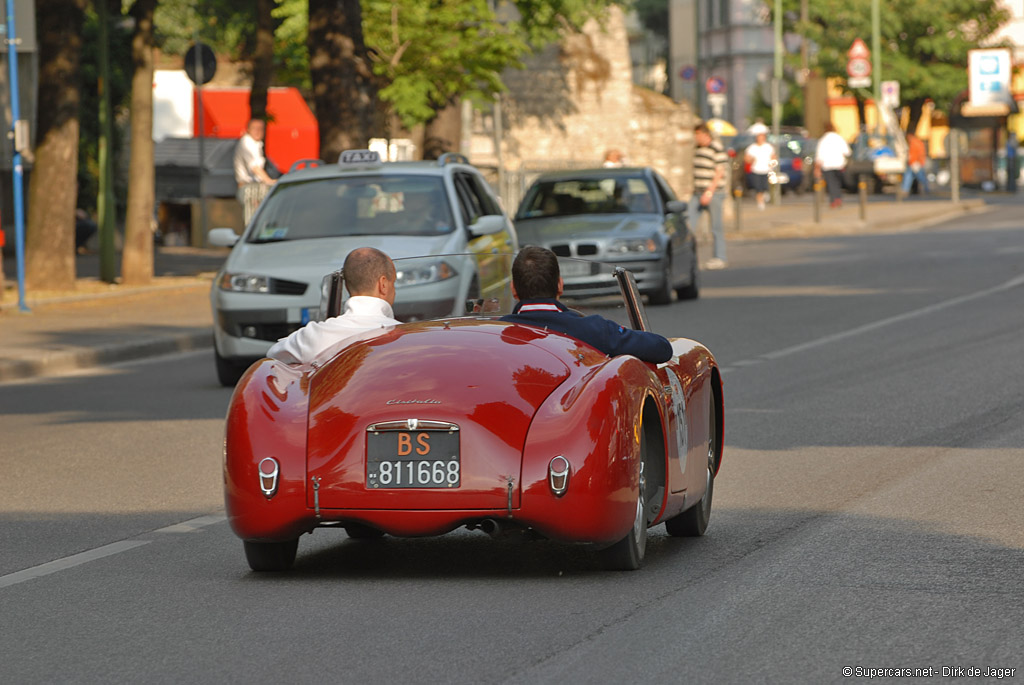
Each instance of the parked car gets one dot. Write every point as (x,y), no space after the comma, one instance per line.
(316,214)
(795,155)
(626,216)
(877,159)
(477,422)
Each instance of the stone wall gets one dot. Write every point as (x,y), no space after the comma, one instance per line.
(573,102)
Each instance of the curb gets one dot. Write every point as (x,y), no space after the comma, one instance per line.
(70,360)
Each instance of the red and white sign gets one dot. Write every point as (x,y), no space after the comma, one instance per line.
(859,50)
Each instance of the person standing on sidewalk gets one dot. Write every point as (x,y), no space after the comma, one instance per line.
(759,155)
(917,158)
(829,162)
(250,168)
(710,163)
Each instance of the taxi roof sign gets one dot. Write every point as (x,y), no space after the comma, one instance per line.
(359,157)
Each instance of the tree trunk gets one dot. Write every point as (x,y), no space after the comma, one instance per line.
(443,133)
(137,256)
(344,88)
(262,59)
(50,232)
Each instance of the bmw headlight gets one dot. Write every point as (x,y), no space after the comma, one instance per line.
(423,273)
(633,246)
(244,283)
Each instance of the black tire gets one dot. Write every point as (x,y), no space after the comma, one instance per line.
(663,295)
(628,553)
(270,556)
(690,291)
(361,531)
(228,372)
(694,521)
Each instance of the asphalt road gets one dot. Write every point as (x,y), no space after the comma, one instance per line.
(867,514)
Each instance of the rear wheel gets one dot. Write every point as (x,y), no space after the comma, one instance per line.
(628,553)
(663,295)
(228,371)
(270,556)
(694,521)
(690,291)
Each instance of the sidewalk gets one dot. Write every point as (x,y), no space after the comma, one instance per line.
(101,324)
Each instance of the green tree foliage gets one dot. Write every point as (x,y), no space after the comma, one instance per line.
(429,53)
(924,44)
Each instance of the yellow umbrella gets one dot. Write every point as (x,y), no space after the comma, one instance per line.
(721,127)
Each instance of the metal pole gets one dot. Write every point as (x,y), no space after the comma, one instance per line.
(776,86)
(876,57)
(17,169)
(818,185)
(954,164)
(737,194)
(200,77)
(862,189)
(106,204)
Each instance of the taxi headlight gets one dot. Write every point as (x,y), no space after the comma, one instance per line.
(421,274)
(244,283)
(633,246)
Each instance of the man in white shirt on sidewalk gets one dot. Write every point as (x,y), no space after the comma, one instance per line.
(250,172)
(829,161)
(369,276)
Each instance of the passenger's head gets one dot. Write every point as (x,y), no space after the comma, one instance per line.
(535,274)
(370,272)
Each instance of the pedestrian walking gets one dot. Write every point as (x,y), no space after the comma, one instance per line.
(710,163)
(250,168)
(759,155)
(917,160)
(829,162)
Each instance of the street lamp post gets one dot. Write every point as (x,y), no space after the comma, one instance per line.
(776,87)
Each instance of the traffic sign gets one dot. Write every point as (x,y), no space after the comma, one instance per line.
(688,73)
(200,63)
(891,93)
(715,84)
(858,68)
(859,50)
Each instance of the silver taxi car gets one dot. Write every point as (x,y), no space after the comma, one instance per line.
(270,284)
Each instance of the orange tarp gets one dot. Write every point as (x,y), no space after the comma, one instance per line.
(292,132)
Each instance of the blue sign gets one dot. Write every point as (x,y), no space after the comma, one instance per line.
(688,73)
(715,85)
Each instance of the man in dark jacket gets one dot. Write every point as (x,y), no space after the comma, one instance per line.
(537,285)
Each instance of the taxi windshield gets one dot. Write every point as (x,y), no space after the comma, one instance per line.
(370,205)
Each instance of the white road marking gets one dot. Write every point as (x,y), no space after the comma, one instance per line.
(190,526)
(866,328)
(193,525)
(70,562)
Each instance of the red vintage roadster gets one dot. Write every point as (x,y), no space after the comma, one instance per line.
(473,421)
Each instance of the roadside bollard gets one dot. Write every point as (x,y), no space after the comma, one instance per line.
(737,193)
(818,186)
(862,188)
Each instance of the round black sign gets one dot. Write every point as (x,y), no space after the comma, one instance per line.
(200,60)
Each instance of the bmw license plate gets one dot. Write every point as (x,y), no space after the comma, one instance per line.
(412,459)
(573,267)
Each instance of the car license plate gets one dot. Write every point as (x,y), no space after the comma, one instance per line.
(412,459)
(574,268)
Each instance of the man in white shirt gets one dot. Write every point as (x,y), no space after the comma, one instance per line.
(759,155)
(370,279)
(829,161)
(250,172)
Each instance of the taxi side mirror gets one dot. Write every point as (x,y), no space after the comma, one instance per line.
(489,224)
(222,237)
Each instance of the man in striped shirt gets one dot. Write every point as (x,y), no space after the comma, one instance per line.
(710,163)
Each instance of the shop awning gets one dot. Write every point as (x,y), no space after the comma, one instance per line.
(292,132)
